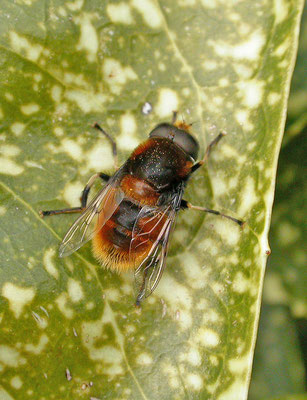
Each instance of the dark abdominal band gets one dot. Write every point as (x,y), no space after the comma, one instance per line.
(124,219)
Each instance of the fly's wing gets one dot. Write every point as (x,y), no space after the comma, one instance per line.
(162,220)
(96,214)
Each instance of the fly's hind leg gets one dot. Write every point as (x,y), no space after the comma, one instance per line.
(184,205)
(111,140)
(84,198)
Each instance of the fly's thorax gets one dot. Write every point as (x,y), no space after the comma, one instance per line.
(139,190)
(160,163)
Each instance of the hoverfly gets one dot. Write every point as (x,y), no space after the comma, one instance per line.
(130,220)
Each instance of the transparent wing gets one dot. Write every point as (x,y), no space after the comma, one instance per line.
(161,221)
(100,209)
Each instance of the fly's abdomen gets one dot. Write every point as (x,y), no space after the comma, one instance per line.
(112,244)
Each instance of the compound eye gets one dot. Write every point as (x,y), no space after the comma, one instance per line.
(164,130)
(180,137)
(187,143)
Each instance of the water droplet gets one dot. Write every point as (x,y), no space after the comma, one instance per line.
(147,108)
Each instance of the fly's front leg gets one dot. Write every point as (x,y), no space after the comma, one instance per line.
(89,184)
(111,140)
(208,151)
(184,205)
(84,198)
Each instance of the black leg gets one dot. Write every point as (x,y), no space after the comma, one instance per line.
(84,198)
(208,151)
(174,119)
(87,188)
(111,140)
(63,211)
(184,205)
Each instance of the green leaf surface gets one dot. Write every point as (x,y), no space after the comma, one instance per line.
(69,329)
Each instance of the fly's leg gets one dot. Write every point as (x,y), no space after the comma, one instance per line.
(89,184)
(174,118)
(84,198)
(111,140)
(184,205)
(208,151)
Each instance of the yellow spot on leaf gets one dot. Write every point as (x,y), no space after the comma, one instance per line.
(240,283)
(282,48)
(167,103)
(229,232)
(9,150)
(242,116)
(192,356)
(237,390)
(88,40)
(149,12)
(127,139)
(144,359)
(9,167)
(56,93)
(248,197)
(249,49)
(281,10)
(58,131)
(4,395)
(86,101)
(209,3)
(16,382)
(22,45)
(9,96)
(207,337)
(194,381)
(75,291)
(252,92)
(49,264)
(239,364)
(61,302)
(120,13)
(39,347)
(117,75)
(17,296)
(110,355)
(17,128)
(72,193)
(29,109)
(193,271)
(273,98)
(75,5)
(72,148)
(10,356)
